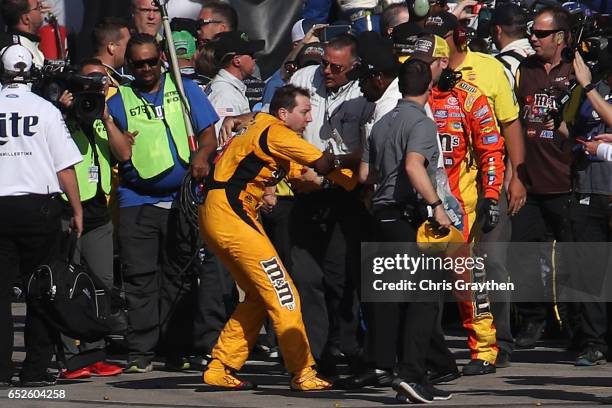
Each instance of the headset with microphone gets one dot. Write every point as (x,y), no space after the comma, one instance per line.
(419,9)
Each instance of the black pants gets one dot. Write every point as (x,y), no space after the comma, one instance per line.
(542,213)
(403,329)
(159,255)
(325,228)
(29,235)
(590,223)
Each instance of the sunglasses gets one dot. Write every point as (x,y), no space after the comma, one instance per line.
(542,33)
(151,62)
(334,68)
(201,22)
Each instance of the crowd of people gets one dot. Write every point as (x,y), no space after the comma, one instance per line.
(381,115)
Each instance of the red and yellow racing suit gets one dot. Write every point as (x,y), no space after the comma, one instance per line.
(229,224)
(473,150)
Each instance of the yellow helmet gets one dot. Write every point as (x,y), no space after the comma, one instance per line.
(431,240)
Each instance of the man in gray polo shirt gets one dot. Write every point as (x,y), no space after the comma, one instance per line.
(401,157)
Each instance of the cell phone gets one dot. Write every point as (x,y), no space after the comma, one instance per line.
(329,32)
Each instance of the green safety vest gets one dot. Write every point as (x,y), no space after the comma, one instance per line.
(151,153)
(88,189)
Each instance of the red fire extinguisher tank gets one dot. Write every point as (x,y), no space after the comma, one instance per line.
(53,39)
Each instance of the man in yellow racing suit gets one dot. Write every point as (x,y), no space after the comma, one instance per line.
(251,162)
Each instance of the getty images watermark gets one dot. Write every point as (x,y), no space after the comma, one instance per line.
(467,272)
(520,272)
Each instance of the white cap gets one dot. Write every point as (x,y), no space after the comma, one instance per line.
(297,32)
(16,58)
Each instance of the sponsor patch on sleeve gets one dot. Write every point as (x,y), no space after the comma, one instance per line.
(481,112)
(465,86)
(490,139)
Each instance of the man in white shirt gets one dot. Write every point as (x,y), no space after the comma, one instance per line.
(509,33)
(37,155)
(227,92)
(24,18)
(326,223)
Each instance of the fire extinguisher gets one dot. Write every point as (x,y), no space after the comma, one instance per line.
(53,39)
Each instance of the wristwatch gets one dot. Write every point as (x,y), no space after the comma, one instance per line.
(435,204)
(589,88)
(337,163)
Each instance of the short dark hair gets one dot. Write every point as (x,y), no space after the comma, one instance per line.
(343,41)
(561,17)
(225,11)
(389,17)
(515,31)
(414,77)
(12,10)
(285,96)
(141,39)
(108,30)
(92,61)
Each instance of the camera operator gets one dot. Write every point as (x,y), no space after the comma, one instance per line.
(95,247)
(541,79)
(24,18)
(590,209)
(37,156)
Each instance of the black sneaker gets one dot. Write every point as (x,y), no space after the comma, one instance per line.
(478,367)
(438,394)
(437,378)
(45,380)
(529,334)
(503,359)
(590,357)
(177,364)
(413,392)
(369,377)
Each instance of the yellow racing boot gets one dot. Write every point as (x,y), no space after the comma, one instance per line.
(309,380)
(220,376)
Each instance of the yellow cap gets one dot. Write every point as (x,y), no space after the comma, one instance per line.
(431,240)
(426,47)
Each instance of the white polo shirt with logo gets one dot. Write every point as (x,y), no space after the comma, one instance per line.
(35,143)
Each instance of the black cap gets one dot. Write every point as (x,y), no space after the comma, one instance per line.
(184,24)
(509,14)
(441,24)
(235,43)
(375,54)
(310,54)
(405,35)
